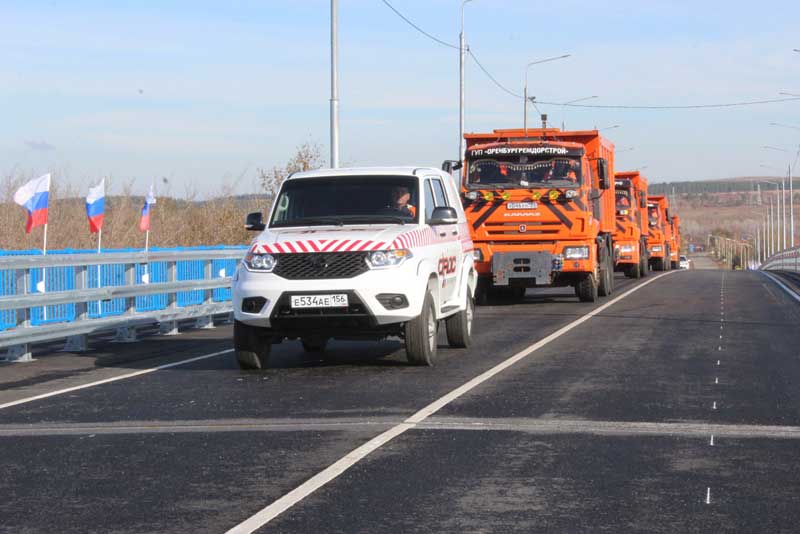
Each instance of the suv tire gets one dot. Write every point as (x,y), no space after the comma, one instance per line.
(252,346)
(421,333)
(459,326)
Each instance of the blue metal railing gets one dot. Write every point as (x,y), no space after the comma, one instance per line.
(63,279)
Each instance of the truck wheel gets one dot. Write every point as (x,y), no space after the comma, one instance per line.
(586,289)
(252,346)
(421,335)
(606,280)
(314,344)
(634,271)
(643,266)
(459,326)
(482,293)
(666,263)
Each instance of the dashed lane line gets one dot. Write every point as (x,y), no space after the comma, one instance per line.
(113,379)
(328,474)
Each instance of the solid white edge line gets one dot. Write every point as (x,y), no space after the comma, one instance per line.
(112,379)
(783,286)
(311,485)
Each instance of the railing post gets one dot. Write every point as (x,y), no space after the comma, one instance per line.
(21,353)
(80,342)
(170,327)
(127,334)
(207,321)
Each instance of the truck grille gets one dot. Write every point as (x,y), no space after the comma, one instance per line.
(320,266)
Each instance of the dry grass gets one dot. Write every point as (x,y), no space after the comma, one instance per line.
(174,221)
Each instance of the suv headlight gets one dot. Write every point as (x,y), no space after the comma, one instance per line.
(627,248)
(260,263)
(381,259)
(576,253)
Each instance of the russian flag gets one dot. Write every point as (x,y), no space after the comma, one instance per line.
(149,200)
(34,197)
(96,206)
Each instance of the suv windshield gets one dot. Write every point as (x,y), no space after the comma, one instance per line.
(346,200)
(524,171)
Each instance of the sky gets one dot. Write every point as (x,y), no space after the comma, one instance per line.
(204,93)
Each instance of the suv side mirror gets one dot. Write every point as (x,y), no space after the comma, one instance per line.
(443,215)
(255,222)
(602,173)
(450,165)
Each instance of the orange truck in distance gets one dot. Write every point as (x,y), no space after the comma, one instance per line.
(540,205)
(675,243)
(659,233)
(630,235)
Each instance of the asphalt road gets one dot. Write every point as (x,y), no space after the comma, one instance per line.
(598,423)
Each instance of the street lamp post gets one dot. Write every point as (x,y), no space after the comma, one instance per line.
(334,85)
(462,50)
(525,90)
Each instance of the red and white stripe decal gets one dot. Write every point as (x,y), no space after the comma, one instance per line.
(415,238)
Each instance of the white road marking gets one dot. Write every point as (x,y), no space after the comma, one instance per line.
(325,476)
(712,440)
(113,379)
(716,380)
(708,496)
(714,407)
(717,362)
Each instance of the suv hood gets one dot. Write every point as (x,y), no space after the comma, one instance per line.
(310,239)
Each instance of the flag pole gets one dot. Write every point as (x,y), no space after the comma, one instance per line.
(146,247)
(44,271)
(99,267)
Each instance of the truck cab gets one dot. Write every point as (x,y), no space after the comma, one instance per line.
(363,253)
(540,205)
(630,234)
(659,233)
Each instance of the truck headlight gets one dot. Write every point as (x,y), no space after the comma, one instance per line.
(571,193)
(576,253)
(627,248)
(387,258)
(656,248)
(261,263)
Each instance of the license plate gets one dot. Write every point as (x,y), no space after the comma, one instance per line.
(522,205)
(319,301)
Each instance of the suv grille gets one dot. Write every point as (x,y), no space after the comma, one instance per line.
(320,266)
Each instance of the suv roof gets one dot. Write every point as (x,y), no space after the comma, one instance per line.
(365,171)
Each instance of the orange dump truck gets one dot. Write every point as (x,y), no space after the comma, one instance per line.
(659,238)
(540,205)
(675,243)
(630,235)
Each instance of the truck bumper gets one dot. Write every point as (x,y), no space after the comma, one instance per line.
(531,265)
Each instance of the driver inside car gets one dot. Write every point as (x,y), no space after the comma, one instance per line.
(400,201)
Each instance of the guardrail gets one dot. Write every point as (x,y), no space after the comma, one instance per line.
(71,295)
(785,260)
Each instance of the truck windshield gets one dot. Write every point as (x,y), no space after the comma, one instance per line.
(652,215)
(623,198)
(346,200)
(524,171)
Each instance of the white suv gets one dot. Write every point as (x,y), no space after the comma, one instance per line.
(362,253)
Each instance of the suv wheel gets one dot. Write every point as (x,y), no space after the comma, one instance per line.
(459,326)
(252,346)
(421,334)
